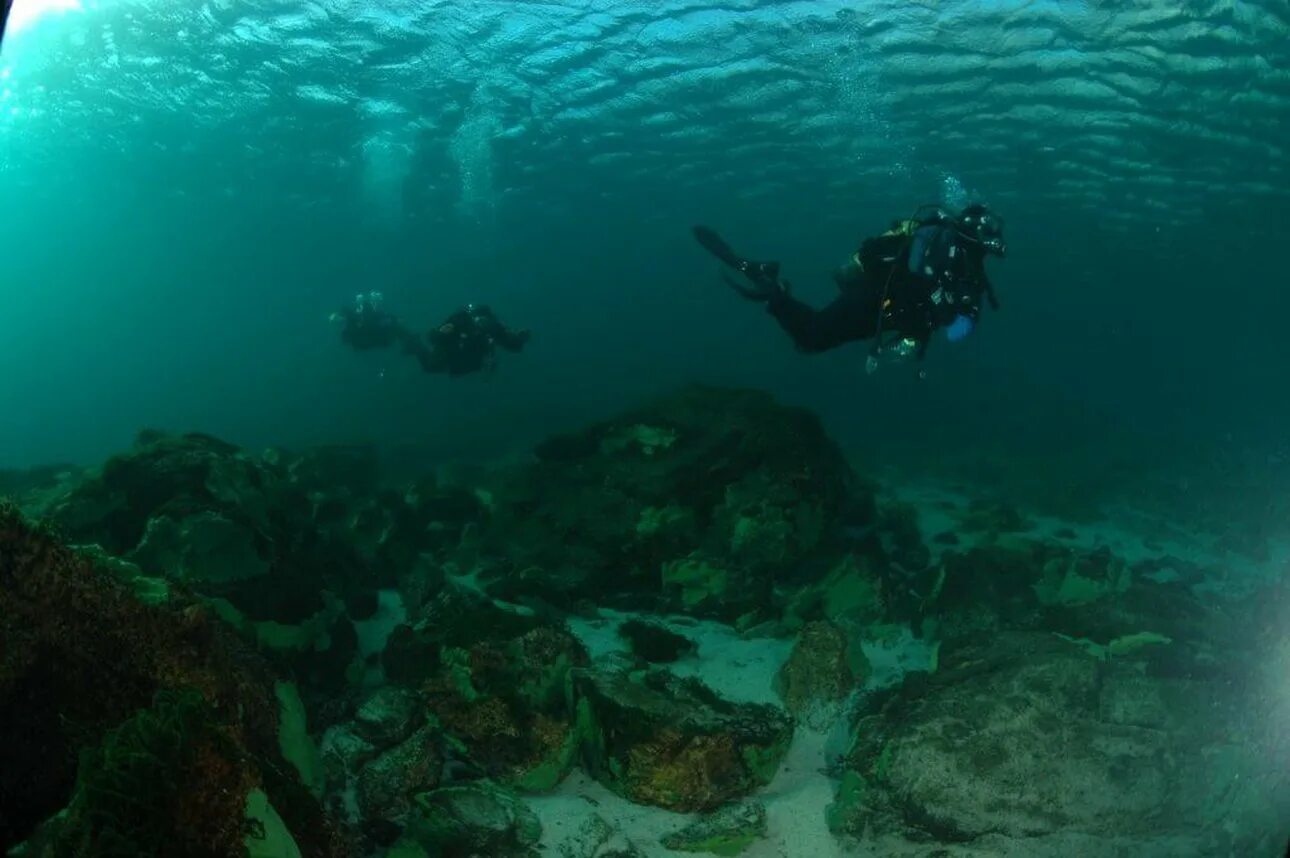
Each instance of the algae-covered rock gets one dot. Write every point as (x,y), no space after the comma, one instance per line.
(386,785)
(710,497)
(822,671)
(497,681)
(196,510)
(698,586)
(480,819)
(388,716)
(202,549)
(850,596)
(128,727)
(727,831)
(657,739)
(655,643)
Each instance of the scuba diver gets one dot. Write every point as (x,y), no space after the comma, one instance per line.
(367,326)
(466,342)
(923,274)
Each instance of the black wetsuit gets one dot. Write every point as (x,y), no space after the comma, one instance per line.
(367,328)
(467,342)
(882,293)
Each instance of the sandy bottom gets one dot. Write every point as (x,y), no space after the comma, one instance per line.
(743,670)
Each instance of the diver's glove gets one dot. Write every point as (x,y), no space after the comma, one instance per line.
(959,329)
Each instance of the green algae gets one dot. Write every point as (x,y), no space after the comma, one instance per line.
(840,816)
(293,737)
(699,582)
(268,836)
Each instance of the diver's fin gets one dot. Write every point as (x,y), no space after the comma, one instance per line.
(716,245)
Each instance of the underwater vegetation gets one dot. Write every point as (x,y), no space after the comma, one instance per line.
(292,654)
(131,725)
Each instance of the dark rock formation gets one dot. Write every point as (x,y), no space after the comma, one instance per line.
(704,501)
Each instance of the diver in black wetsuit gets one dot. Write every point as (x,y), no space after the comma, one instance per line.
(466,342)
(367,326)
(923,274)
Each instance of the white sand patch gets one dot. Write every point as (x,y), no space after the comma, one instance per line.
(894,656)
(374,632)
(740,669)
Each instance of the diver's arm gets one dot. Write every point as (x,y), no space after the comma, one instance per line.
(849,317)
(512,341)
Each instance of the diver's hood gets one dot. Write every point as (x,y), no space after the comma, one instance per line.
(983,227)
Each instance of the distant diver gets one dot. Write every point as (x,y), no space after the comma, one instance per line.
(923,274)
(466,342)
(368,327)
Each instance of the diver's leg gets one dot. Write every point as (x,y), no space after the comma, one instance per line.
(852,316)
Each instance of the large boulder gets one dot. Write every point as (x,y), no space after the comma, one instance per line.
(703,501)
(1034,738)
(660,740)
(199,511)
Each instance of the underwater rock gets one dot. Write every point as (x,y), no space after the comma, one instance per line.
(496,680)
(350,469)
(849,596)
(387,784)
(655,643)
(821,672)
(388,716)
(508,704)
(202,549)
(475,820)
(657,739)
(172,717)
(34,489)
(709,498)
(1029,737)
(727,831)
(197,510)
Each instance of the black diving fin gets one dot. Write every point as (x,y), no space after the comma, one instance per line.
(763,275)
(716,245)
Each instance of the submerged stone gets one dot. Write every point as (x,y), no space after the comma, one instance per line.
(709,498)
(479,819)
(727,831)
(822,671)
(661,740)
(1027,738)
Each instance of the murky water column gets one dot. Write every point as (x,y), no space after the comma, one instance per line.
(386,161)
(471,149)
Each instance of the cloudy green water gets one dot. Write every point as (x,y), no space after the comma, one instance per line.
(188,189)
